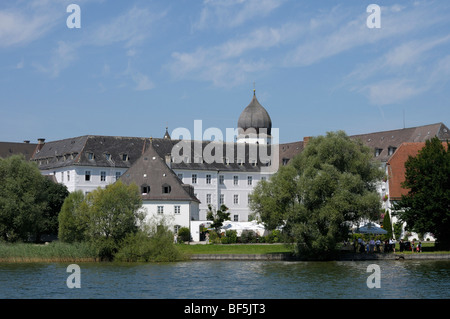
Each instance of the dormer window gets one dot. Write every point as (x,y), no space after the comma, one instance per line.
(145,189)
(90,156)
(378,151)
(124,157)
(166,189)
(108,156)
(391,150)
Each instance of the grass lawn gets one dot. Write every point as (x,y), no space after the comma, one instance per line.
(234,249)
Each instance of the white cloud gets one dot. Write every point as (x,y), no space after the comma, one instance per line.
(131,28)
(233,13)
(391,91)
(230,63)
(142,82)
(20,28)
(62,57)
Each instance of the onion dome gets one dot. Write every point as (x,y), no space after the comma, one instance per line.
(255,118)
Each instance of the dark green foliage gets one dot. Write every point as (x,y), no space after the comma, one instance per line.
(184,234)
(29,202)
(426,207)
(387,225)
(328,186)
(217,217)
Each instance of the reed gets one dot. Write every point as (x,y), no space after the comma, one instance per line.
(52,252)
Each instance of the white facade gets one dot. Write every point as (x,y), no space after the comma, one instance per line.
(222,187)
(175,214)
(85,178)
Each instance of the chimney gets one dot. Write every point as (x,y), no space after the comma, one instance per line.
(305,141)
(41,142)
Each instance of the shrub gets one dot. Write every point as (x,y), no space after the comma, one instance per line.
(230,237)
(184,234)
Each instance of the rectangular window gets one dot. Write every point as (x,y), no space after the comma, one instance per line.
(62,176)
(160,209)
(87,176)
(118,174)
(236,218)
(68,176)
(222,199)
(194,178)
(249,180)
(263,178)
(208,198)
(235,199)
(103,176)
(221,179)
(177,209)
(208,179)
(236,180)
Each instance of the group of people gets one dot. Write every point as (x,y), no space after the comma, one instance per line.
(374,245)
(414,248)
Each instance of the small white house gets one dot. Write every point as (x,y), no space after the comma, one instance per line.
(164,196)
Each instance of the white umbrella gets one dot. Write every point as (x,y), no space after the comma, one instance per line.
(370,228)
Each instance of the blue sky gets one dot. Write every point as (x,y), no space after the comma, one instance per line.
(136,66)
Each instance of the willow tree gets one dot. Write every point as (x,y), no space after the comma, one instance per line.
(317,198)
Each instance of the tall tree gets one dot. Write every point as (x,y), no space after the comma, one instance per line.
(328,186)
(113,211)
(426,207)
(29,202)
(72,225)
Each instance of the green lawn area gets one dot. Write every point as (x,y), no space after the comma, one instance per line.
(234,249)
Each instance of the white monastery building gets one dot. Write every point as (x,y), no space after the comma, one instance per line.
(178,179)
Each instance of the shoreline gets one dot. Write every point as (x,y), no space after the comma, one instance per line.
(255,257)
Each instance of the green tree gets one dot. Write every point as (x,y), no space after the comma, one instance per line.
(217,217)
(29,202)
(111,214)
(316,199)
(387,225)
(426,207)
(72,223)
(53,194)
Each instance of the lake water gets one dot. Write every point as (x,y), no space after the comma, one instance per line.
(424,279)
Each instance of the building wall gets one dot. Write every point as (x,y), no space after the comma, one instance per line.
(235,197)
(74,177)
(188,210)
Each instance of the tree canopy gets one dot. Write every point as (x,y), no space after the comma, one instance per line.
(317,197)
(29,201)
(426,207)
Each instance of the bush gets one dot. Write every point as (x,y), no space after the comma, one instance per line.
(142,246)
(230,237)
(248,236)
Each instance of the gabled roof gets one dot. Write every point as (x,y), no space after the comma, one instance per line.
(151,170)
(383,140)
(12,148)
(91,150)
(397,170)
(235,157)
(394,138)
